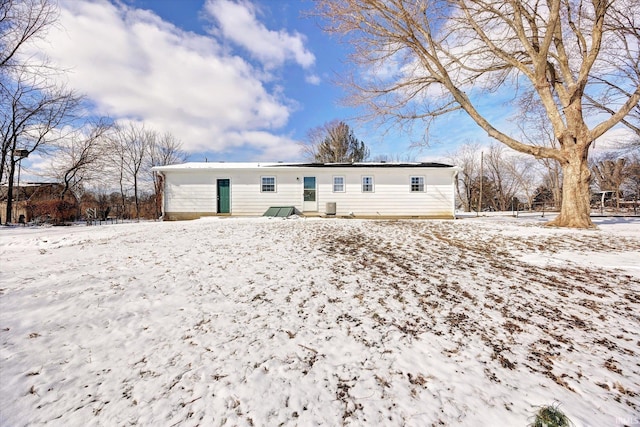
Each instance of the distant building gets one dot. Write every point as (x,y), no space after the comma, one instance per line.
(38,200)
(420,190)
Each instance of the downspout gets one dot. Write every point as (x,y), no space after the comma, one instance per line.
(456,171)
(162,200)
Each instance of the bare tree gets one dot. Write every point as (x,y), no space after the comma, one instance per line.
(77,157)
(538,130)
(609,173)
(524,170)
(632,183)
(165,150)
(632,122)
(130,148)
(614,89)
(394,158)
(507,175)
(33,111)
(31,119)
(467,158)
(116,155)
(22,21)
(484,194)
(425,59)
(499,169)
(334,142)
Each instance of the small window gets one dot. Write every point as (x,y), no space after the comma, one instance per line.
(268,184)
(417,184)
(367,184)
(338,184)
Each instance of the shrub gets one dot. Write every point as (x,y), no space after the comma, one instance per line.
(551,416)
(54,210)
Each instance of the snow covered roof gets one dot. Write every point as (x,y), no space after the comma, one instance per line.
(248,165)
(219,165)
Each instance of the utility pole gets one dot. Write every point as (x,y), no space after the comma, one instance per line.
(481,179)
(16,157)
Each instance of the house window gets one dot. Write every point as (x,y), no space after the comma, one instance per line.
(417,184)
(268,184)
(367,184)
(338,184)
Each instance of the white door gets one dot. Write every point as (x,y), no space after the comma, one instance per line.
(310,202)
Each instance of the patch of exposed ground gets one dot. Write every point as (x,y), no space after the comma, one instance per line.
(473,286)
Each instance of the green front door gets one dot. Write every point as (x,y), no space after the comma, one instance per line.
(224,199)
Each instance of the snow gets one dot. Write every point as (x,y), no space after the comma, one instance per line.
(256,321)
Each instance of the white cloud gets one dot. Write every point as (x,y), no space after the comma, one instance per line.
(132,65)
(313,79)
(613,140)
(238,23)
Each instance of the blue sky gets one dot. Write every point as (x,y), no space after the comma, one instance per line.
(234,81)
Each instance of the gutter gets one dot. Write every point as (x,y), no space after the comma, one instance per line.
(162,203)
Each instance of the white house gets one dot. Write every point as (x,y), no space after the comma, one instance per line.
(421,190)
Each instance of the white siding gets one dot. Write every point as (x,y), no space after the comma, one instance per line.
(247,199)
(392,194)
(189,192)
(195,190)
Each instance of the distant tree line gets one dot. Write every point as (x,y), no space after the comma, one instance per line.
(495,178)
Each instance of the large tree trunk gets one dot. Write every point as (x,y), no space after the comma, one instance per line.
(575,211)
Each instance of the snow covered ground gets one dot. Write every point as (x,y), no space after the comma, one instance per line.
(264,322)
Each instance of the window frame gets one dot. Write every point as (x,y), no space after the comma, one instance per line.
(421,185)
(343,184)
(363,185)
(265,187)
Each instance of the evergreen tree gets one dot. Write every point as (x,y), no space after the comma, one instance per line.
(335,143)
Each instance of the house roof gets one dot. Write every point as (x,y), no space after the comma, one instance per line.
(244,165)
(26,190)
(375,165)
